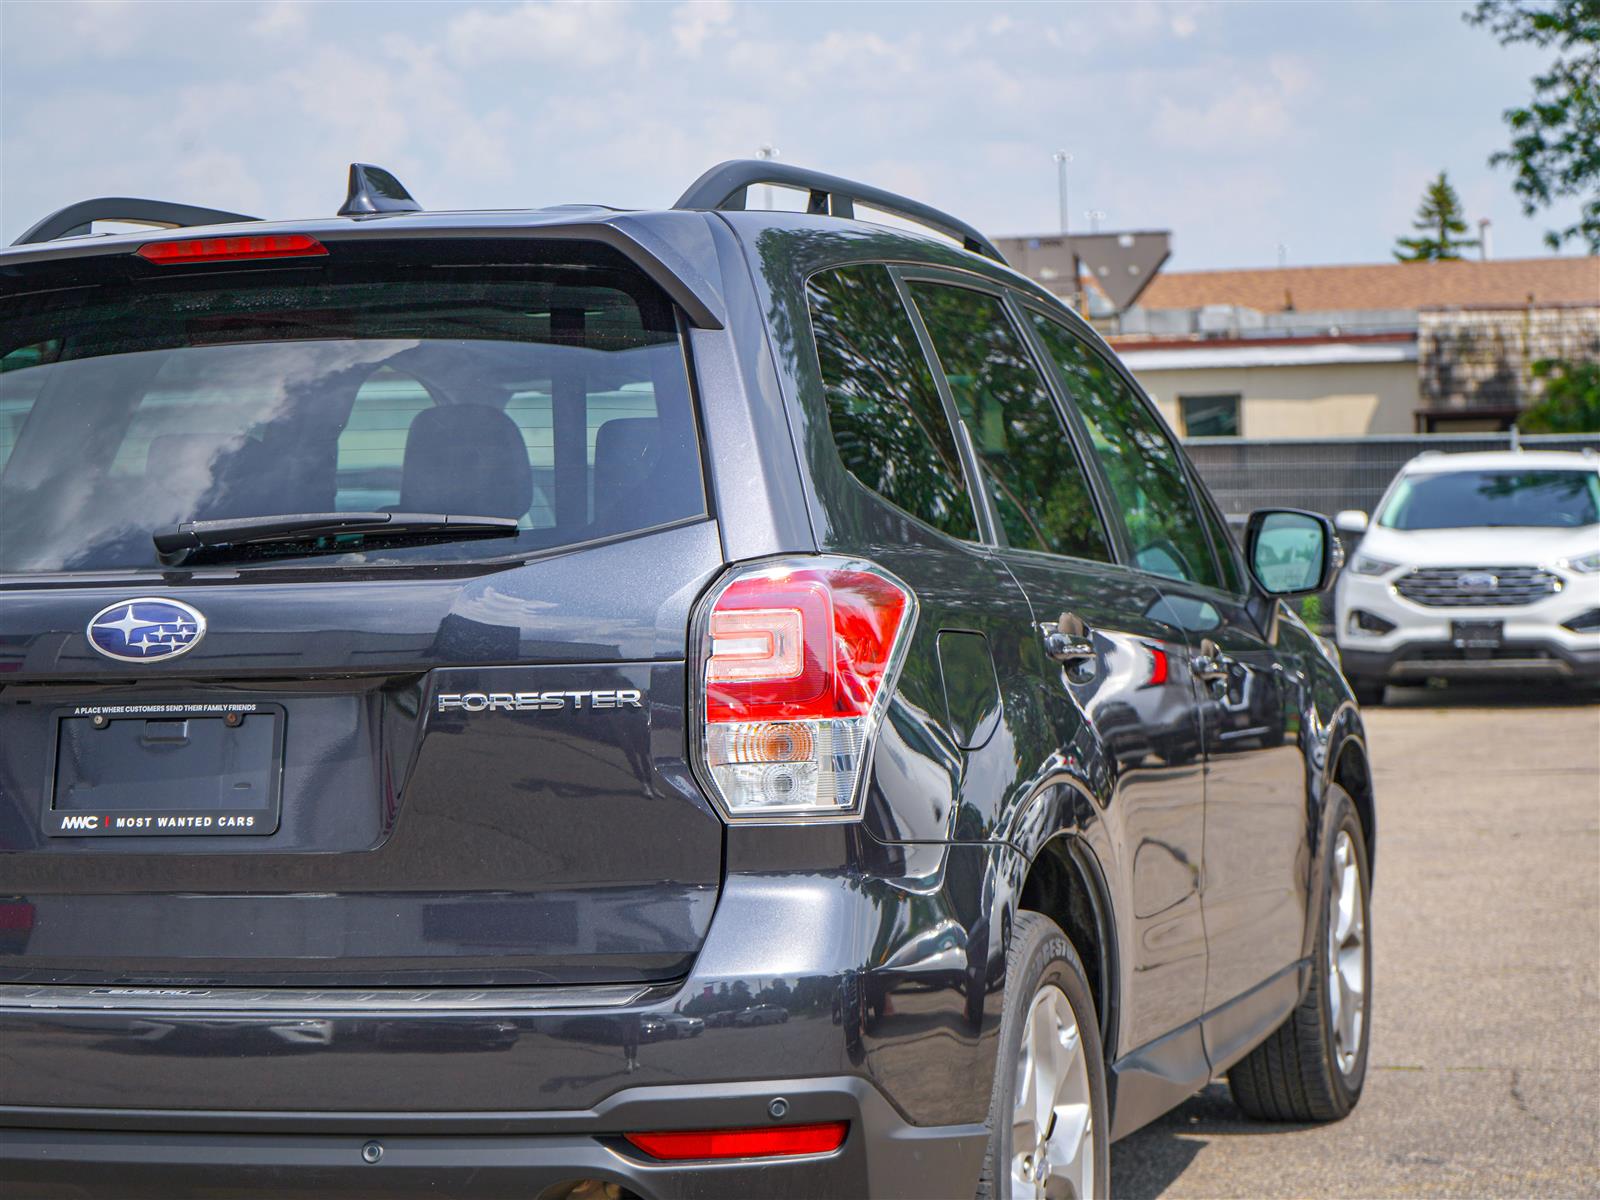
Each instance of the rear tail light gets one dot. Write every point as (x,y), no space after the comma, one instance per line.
(1159,666)
(231,249)
(798,659)
(680,1145)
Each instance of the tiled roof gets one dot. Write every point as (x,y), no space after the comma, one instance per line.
(1508,281)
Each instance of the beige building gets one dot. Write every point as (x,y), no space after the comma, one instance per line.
(1322,389)
(1349,351)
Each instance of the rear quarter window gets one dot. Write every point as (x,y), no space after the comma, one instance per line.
(888,421)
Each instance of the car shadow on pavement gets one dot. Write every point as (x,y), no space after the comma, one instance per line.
(1147,1162)
(1491,695)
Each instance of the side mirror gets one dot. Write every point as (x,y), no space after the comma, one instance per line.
(1351,520)
(1292,553)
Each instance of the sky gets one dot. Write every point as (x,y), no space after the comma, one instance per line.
(1240,127)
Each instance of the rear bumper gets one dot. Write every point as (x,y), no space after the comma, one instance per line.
(133,1154)
(813,982)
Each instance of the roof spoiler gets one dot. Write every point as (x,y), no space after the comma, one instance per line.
(371,190)
(76,219)
(726,187)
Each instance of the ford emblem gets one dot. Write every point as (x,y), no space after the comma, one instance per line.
(148,629)
(1477,581)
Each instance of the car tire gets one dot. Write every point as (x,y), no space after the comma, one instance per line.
(1047,990)
(1314,1066)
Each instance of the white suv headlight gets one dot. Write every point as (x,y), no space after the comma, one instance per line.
(1588,564)
(1365,564)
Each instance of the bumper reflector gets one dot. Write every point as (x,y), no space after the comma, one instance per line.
(776,1141)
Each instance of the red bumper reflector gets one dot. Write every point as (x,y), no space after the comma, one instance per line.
(678,1145)
(232,249)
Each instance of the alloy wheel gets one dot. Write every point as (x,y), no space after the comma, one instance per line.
(1347,969)
(1052,1125)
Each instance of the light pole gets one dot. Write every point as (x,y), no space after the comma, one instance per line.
(1095,216)
(1062,159)
(766,152)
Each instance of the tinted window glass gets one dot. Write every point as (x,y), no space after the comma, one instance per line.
(18,392)
(1140,460)
(887,419)
(1227,549)
(553,395)
(1038,487)
(1475,499)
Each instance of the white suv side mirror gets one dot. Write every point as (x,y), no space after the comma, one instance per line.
(1351,520)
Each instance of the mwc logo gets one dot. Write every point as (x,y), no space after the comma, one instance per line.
(77,821)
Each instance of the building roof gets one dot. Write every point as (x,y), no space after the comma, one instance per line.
(1506,281)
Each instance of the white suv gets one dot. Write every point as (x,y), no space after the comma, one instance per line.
(1476,565)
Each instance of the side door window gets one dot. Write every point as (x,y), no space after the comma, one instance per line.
(1143,716)
(1228,556)
(1038,486)
(888,421)
(1140,460)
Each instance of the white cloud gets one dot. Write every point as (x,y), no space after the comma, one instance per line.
(587,33)
(694,22)
(280,19)
(861,58)
(1244,115)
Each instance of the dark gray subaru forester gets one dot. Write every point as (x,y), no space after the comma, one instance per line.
(582,704)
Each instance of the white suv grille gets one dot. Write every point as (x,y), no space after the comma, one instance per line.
(1477,587)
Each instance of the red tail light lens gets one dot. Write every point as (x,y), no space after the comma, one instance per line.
(231,249)
(798,660)
(1158,666)
(678,1146)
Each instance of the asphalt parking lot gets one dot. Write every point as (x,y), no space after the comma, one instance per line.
(1485,1064)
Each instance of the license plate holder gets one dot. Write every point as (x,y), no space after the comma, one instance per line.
(1477,635)
(165,769)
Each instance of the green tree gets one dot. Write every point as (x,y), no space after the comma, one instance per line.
(1439,223)
(1555,138)
(1571,400)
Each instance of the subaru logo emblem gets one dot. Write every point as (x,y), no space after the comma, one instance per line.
(148,629)
(1477,581)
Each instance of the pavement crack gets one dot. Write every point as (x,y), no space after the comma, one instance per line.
(1518,1098)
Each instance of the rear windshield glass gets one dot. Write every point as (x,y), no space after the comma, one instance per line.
(1475,499)
(556,395)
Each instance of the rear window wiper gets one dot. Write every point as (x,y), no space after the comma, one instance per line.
(319,533)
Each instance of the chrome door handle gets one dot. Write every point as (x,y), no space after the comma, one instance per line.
(1068,640)
(1211,664)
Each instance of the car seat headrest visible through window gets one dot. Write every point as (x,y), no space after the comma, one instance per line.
(465,460)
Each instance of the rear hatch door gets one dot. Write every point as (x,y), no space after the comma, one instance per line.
(350,755)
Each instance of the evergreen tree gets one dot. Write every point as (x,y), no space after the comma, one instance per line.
(1439,223)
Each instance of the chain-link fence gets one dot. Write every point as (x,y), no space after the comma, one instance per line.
(1329,474)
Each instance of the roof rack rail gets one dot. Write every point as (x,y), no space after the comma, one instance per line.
(77,218)
(726,185)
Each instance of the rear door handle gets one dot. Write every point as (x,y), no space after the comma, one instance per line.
(1211,664)
(1068,640)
